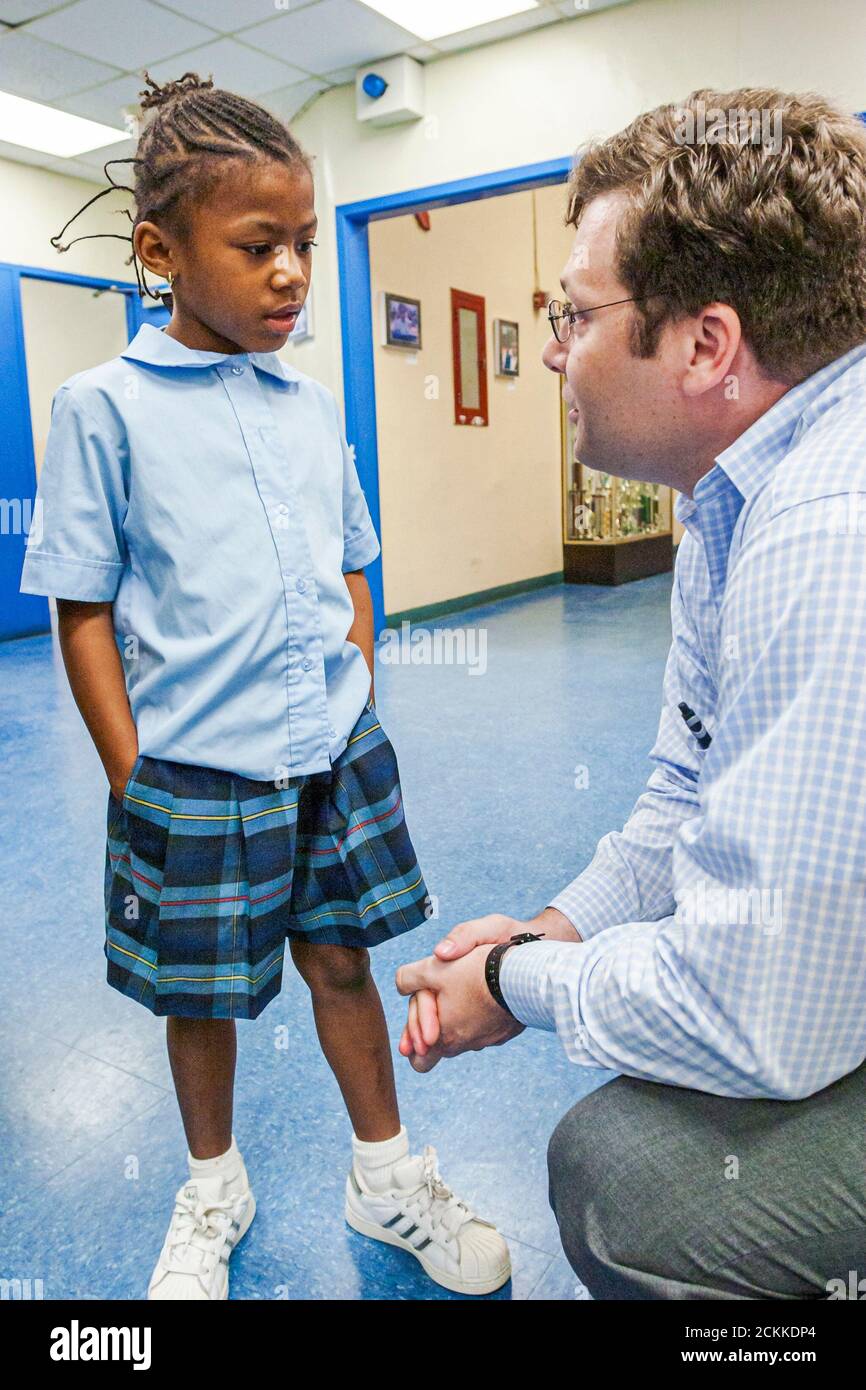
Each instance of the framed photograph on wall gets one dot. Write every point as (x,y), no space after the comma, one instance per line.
(401,326)
(506,347)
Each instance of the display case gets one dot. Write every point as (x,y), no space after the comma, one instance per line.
(614,529)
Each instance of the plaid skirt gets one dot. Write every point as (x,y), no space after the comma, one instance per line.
(207,873)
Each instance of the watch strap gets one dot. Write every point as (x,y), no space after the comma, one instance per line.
(494,961)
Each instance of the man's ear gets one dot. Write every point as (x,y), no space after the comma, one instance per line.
(716,334)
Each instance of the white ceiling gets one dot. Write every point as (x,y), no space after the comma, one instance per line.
(87,56)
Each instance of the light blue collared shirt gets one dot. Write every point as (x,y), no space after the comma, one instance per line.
(725,925)
(212,498)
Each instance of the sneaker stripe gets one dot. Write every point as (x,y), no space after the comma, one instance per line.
(401,1216)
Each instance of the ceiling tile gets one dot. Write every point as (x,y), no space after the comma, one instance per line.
(330,35)
(499,29)
(128,33)
(233,66)
(42,71)
(20,155)
(571,11)
(20,11)
(231,15)
(341,76)
(95,160)
(72,168)
(105,103)
(285,104)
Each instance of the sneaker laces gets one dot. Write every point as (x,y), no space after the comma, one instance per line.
(443,1207)
(195,1226)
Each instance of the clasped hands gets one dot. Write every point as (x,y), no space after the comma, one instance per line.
(451,1009)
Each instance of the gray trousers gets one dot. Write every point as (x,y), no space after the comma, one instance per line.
(662,1192)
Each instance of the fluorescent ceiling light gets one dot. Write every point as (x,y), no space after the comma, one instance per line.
(433,19)
(44,128)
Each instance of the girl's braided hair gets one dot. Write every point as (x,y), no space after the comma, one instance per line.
(192,125)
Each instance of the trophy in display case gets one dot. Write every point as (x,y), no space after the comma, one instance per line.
(614,529)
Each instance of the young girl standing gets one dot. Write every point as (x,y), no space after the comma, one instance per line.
(205,536)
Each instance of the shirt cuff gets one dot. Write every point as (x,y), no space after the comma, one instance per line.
(360,550)
(64,576)
(528,973)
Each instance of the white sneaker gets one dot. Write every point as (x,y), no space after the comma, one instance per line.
(206,1225)
(420,1214)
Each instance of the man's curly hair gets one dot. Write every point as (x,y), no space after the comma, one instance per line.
(718,211)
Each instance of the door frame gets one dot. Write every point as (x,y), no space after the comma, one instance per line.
(25,615)
(356,309)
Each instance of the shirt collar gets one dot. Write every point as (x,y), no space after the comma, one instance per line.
(743,468)
(750,460)
(155,348)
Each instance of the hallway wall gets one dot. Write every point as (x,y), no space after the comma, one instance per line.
(467,509)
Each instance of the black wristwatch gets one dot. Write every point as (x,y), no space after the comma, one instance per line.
(494,959)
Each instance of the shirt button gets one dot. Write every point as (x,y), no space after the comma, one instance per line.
(283,509)
(301,586)
(333,732)
(236,371)
(307,663)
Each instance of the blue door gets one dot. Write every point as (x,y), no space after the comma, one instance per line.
(22,615)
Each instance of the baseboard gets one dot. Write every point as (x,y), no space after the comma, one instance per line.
(457,605)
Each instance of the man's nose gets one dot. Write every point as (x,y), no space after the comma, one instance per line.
(555,354)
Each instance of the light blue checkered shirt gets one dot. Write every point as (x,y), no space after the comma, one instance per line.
(725,925)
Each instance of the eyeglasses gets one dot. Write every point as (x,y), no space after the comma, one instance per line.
(564,316)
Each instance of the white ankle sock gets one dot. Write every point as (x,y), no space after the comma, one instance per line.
(375,1161)
(227,1165)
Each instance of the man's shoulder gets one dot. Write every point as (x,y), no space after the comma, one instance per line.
(828,458)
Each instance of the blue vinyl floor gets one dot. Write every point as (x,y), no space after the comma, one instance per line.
(94,1148)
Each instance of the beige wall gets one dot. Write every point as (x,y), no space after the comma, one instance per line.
(67,328)
(38,203)
(468,508)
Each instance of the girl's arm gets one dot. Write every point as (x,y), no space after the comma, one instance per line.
(95,673)
(361,631)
